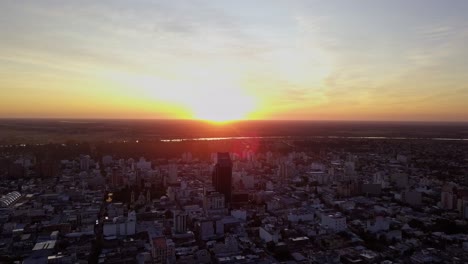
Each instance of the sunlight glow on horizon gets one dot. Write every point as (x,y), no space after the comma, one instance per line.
(221,109)
(211,98)
(223,61)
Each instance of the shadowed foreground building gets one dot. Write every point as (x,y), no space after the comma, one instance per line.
(222,176)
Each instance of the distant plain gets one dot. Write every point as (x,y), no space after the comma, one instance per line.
(18,131)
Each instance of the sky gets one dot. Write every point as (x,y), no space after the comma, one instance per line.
(221,60)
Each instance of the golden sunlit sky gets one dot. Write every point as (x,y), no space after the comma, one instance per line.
(221,60)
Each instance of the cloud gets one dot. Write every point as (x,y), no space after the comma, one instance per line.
(437,32)
(293,56)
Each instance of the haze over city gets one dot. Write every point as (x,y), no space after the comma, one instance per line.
(226,60)
(233,132)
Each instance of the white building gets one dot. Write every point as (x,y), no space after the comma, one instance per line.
(142,164)
(9,199)
(321,177)
(207,229)
(214,202)
(379,224)
(335,222)
(120,226)
(25,162)
(243,181)
(315,166)
(269,233)
(301,215)
(239,214)
(230,245)
(269,186)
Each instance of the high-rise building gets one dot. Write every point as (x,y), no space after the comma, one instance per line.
(163,250)
(187,157)
(180,222)
(222,175)
(116,177)
(107,160)
(84,162)
(142,164)
(172,173)
(213,202)
(448,197)
(284,172)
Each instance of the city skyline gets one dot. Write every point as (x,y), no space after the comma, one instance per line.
(220,60)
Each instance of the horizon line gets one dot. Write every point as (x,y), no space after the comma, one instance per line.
(231,121)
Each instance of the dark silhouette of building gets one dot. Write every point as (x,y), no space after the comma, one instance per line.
(222,176)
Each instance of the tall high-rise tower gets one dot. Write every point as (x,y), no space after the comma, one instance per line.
(180,222)
(85,162)
(222,175)
(172,173)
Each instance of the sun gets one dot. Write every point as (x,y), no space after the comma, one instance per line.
(203,94)
(224,106)
(218,115)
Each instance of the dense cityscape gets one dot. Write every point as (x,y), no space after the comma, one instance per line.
(254,201)
(225,132)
